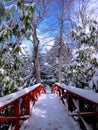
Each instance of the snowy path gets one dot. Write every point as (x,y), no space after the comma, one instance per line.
(50,114)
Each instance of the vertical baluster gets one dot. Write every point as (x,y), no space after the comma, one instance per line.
(17,114)
(27,102)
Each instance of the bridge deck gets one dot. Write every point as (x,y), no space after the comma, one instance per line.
(49,114)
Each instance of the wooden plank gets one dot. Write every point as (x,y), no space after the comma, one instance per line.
(86,95)
(14,118)
(21,92)
(84,114)
(12,97)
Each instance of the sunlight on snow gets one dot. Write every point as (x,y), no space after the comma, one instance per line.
(40,113)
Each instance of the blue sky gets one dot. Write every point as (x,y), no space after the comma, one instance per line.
(50,22)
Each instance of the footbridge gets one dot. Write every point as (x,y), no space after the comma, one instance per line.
(59,108)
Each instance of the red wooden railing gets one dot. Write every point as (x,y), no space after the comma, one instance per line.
(81,104)
(20,104)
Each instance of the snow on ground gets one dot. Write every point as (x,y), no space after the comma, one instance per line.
(50,114)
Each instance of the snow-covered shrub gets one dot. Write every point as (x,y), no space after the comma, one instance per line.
(82,66)
(17,72)
(93,83)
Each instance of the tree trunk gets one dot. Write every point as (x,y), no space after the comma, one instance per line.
(36,56)
(37,17)
(61,44)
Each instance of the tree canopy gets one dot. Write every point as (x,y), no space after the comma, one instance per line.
(67,26)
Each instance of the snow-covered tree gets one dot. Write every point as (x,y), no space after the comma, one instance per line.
(82,66)
(87,35)
(16,22)
(17,73)
(85,61)
(51,62)
(14,25)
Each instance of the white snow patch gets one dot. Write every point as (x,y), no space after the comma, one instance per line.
(30,5)
(94,81)
(2,71)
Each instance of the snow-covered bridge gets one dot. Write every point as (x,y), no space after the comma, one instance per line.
(49,114)
(27,110)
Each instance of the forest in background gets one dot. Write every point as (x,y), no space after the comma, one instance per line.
(64,39)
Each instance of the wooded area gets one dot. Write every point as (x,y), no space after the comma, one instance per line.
(63,38)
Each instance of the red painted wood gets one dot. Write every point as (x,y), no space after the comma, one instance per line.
(72,105)
(82,114)
(17,114)
(4,119)
(27,103)
(21,101)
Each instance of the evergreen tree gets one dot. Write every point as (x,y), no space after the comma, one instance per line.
(85,61)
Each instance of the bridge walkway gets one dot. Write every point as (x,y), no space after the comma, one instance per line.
(49,114)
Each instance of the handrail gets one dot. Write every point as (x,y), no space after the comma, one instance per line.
(20,102)
(80,103)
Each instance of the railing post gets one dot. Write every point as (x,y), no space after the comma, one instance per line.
(27,100)
(37,93)
(17,114)
(68,102)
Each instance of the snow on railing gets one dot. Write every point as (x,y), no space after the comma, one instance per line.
(81,104)
(17,106)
